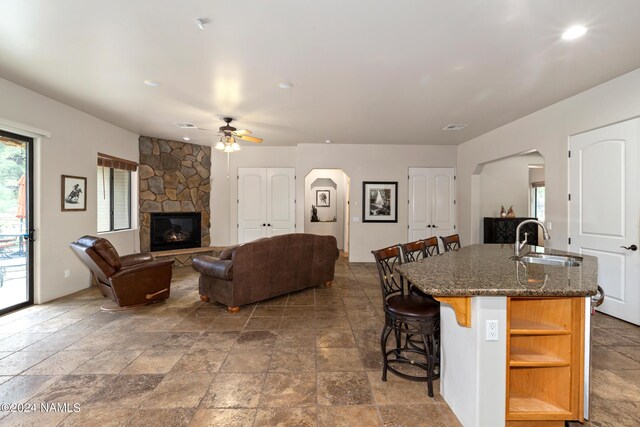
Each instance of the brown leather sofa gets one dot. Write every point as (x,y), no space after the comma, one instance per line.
(129,280)
(266,268)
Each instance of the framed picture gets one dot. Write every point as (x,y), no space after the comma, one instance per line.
(74,193)
(379,201)
(323,198)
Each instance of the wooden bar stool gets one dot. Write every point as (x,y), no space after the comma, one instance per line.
(407,316)
(451,243)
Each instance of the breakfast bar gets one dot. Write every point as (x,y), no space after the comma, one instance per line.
(512,332)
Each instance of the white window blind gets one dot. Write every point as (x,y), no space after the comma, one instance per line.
(104,199)
(121,199)
(114,199)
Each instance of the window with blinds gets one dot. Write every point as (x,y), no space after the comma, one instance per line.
(114,193)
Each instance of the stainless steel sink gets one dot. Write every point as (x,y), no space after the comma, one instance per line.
(549,259)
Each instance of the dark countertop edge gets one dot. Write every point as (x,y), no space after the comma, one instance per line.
(511,293)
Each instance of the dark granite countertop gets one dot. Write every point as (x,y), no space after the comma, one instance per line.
(488,270)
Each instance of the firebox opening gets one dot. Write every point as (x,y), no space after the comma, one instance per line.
(175,230)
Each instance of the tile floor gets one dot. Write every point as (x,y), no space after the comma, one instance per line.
(306,359)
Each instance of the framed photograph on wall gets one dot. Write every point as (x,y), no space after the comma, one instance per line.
(74,193)
(379,201)
(323,198)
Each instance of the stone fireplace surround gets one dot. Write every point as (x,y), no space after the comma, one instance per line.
(173,176)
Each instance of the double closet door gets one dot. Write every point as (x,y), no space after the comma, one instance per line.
(431,202)
(266,202)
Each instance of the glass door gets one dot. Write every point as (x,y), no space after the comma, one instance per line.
(16,221)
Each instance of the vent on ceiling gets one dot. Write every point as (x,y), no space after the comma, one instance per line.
(455,126)
(185,125)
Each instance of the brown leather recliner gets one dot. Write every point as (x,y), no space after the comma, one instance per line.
(129,280)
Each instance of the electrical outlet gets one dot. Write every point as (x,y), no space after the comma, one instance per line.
(67,273)
(492,330)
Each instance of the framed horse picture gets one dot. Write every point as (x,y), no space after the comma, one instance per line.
(74,193)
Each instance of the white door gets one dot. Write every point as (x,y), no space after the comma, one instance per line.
(266,202)
(604,211)
(281,209)
(431,202)
(252,204)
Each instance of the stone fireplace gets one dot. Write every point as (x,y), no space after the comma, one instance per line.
(174,178)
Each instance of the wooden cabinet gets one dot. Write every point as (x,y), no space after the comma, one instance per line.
(503,230)
(545,365)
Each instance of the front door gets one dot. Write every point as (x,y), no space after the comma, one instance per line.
(431,202)
(604,211)
(16,246)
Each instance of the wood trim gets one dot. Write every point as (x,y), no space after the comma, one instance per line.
(461,307)
(109,161)
(537,423)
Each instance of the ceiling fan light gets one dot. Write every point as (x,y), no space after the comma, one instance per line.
(235,146)
(220,145)
(228,149)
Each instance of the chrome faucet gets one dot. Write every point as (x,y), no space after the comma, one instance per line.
(517,246)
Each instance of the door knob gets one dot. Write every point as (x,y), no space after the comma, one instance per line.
(434,226)
(630,248)
(264,225)
(429,226)
(268,225)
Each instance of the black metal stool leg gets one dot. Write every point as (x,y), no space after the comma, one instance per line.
(430,364)
(383,346)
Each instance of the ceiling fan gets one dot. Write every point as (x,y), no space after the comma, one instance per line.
(228,142)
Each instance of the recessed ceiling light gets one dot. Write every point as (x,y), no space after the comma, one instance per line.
(152,83)
(186,138)
(285,85)
(328,141)
(574,32)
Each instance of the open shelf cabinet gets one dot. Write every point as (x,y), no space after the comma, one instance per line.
(545,361)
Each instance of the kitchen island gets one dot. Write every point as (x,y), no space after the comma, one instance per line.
(512,332)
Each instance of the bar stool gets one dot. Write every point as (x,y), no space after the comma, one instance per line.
(431,246)
(413,251)
(451,243)
(407,316)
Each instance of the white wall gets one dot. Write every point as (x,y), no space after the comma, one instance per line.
(505,183)
(72,149)
(547,131)
(361,162)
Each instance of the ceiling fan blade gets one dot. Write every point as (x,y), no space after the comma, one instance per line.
(242,132)
(250,138)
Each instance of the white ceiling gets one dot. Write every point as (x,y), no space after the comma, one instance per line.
(365,71)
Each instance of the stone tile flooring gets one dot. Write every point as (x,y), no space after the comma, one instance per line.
(306,359)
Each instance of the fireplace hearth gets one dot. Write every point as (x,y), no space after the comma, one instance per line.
(175,230)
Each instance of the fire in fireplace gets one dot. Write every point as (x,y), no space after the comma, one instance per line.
(175,230)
